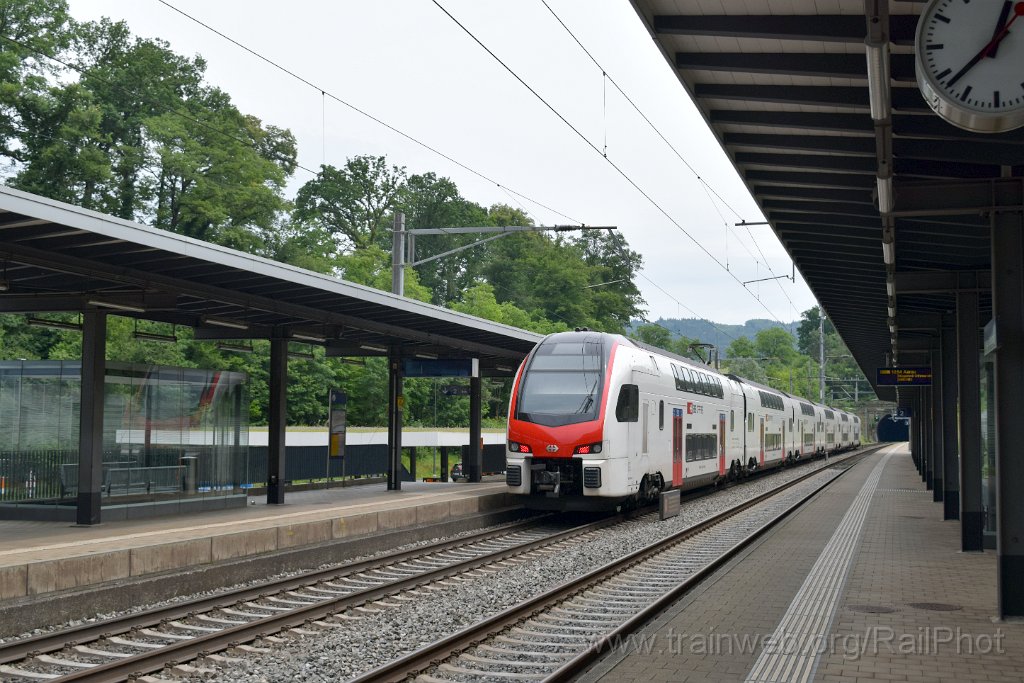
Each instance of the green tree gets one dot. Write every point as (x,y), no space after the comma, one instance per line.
(131,80)
(481,302)
(60,146)
(612,268)
(655,335)
(213,183)
(30,31)
(746,367)
(432,202)
(807,331)
(741,347)
(352,203)
(371,266)
(775,343)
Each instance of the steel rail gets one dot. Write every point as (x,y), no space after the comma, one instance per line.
(420,660)
(49,642)
(149,662)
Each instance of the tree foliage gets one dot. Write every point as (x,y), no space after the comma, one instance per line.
(93,115)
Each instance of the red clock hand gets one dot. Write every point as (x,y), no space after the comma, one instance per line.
(1018,10)
(1003,14)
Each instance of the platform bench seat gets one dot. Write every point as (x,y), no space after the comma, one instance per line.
(122,481)
(69,476)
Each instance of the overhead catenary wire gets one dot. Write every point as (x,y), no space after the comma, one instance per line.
(363,112)
(596,149)
(324,92)
(704,184)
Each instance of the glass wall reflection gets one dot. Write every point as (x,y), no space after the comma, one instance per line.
(169,434)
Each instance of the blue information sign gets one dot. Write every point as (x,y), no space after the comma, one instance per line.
(441,367)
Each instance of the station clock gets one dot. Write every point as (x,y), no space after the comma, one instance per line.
(970,62)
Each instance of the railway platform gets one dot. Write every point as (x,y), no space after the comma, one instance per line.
(50,571)
(864,583)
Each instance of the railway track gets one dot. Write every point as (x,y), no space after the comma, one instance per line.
(556,635)
(138,644)
(133,646)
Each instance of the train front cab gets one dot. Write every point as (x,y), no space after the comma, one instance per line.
(563,445)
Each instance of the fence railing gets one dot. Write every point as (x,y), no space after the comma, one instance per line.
(47,475)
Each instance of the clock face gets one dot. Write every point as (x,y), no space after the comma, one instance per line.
(970,62)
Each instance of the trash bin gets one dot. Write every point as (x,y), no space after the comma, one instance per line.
(190,473)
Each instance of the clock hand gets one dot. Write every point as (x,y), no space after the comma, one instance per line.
(999,24)
(1018,10)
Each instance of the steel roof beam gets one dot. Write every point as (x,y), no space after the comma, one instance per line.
(929,282)
(840,123)
(915,344)
(70,303)
(814,194)
(959,197)
(841,96)
(833,180)
(918,322)
(833,209)
(828,224)
(838,144)
(828,162)
(828,28)
(825,65)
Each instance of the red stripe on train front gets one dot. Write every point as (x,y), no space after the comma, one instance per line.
(564,438)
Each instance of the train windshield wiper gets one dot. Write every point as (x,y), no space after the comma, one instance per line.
(588,400)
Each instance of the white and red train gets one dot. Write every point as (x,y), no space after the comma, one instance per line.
(596,420)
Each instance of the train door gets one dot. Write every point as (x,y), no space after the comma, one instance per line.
(677,446)
(761,454)
(783,453)
(721,444)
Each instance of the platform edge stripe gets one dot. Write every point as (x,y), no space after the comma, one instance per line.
(822,587)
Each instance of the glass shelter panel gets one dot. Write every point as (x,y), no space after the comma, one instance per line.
(169,435)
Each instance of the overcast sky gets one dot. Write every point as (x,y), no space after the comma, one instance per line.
(407,63)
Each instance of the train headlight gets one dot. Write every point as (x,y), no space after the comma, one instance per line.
(517,447)
(589,449)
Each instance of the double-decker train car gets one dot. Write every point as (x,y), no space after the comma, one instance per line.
(598,419)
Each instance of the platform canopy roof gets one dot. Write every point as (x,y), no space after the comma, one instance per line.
(784,86)
(60,257)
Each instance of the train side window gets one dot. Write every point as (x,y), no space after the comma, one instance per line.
(750,422)
(732,420)
(678,378)
(720,389)
(702,381)
(661,415)
(688,379)
(627,408)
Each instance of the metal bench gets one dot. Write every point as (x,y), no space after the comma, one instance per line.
(69,476)
(123,481)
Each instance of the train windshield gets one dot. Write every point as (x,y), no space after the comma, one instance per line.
(563,383)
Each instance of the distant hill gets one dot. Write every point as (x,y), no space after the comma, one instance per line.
(719,333)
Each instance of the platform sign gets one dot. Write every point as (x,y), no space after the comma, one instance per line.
(337,408)
(441,367)
(920,376)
